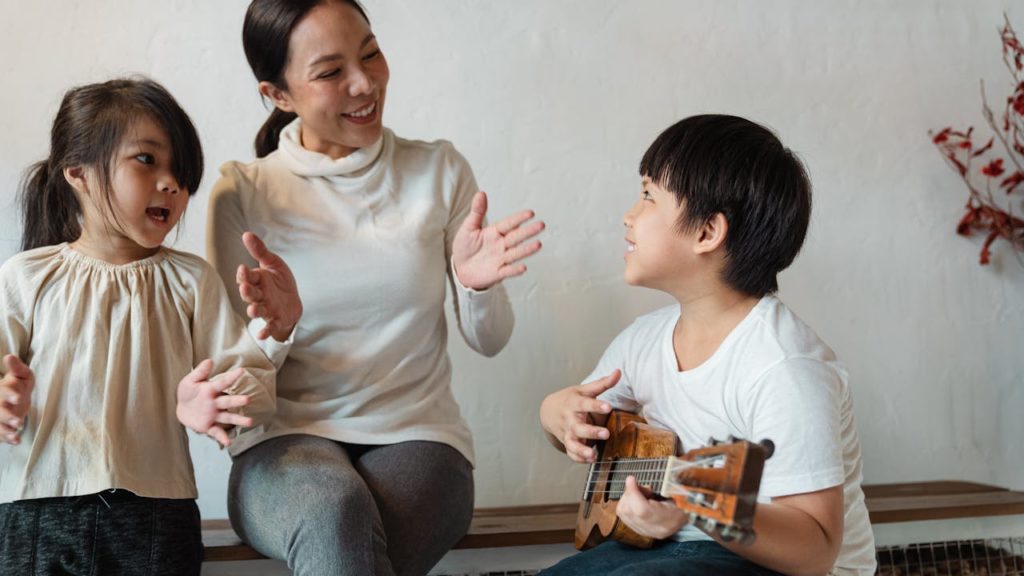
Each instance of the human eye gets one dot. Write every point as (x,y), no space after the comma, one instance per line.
(329,74)
(371,55)
(645,195)
(145,158)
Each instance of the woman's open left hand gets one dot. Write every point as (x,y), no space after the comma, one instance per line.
(485,256)
(269,290)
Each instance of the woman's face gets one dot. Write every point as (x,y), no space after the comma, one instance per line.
(336,79)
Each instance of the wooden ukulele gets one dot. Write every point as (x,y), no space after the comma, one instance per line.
(717,485)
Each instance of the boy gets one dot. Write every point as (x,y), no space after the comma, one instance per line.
(724,208)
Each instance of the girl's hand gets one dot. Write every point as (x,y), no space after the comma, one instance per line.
(205,408)
(646,516)
(565,416)
(485,256)
(15,396)
(269,290)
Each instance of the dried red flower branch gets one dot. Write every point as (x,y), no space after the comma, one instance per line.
(982,213)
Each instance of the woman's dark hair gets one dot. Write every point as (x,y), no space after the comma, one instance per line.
(87,132)
(730,165)
(265,36)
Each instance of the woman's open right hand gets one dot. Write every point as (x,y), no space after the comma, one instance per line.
(269,291)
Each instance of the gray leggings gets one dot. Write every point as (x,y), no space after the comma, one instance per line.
(329,508)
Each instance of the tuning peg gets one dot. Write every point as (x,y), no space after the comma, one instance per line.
(712,441)
(769,448)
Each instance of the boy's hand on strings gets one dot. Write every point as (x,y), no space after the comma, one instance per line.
(269,290)
(567,415)
(484,256)
(646,515)
(205,408)
(15,396)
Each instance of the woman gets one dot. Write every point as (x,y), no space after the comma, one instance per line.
(367,467)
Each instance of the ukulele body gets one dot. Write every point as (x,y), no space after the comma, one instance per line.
(630,437)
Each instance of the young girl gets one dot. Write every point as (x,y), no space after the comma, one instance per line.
(107,325)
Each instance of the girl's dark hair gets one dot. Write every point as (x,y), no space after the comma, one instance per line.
(265,36)
(730,165)
(87,132)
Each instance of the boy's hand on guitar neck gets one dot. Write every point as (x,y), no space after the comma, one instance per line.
(648,516)
(573,417)
(15,394)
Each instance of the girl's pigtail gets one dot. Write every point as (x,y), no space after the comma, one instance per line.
(49,207)
(270,133)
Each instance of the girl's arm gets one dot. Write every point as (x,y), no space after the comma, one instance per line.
(219,334)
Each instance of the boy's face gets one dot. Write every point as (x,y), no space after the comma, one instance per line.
(658,255)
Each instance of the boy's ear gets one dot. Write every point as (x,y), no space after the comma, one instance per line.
(712,234)
(277,96)
(76,177)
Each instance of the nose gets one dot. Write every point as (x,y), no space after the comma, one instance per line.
(361,83)
(168,184)
(630,216)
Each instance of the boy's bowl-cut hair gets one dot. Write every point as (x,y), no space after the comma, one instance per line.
(730,165)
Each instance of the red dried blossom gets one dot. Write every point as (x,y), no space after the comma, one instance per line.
(993,168)
(982,213)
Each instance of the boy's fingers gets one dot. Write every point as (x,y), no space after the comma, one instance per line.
(588,404)
(601,384)
(590,432)
(581,451)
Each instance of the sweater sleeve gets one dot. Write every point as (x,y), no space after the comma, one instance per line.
(484,316)
(226,222)
(220,334)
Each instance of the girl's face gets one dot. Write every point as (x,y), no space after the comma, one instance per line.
(337,78)
(146,199)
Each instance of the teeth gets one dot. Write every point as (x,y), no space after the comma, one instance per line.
(364,112)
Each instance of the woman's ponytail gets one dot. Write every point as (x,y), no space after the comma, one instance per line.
(270,133)
(49,208)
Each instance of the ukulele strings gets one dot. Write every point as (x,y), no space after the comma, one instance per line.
(645,466)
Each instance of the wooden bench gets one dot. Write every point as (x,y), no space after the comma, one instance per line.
(554,524)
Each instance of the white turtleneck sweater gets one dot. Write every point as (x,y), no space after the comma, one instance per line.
(369,239)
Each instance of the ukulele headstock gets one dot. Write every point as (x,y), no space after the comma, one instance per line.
(718,486)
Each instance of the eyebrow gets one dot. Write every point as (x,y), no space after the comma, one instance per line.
(148,142)
(327,57)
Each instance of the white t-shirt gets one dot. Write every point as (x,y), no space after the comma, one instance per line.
(772,377)
(369,239)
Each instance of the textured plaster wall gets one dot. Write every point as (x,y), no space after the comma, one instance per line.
(553,102)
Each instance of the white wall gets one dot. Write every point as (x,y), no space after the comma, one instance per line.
(554,102)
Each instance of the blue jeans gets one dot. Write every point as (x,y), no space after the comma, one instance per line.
(666,558)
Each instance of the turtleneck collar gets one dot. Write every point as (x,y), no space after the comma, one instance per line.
(308,163)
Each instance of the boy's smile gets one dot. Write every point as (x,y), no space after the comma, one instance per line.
(655,247)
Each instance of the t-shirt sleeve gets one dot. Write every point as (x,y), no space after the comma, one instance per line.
(484,317)
(796,404)
(218,333)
